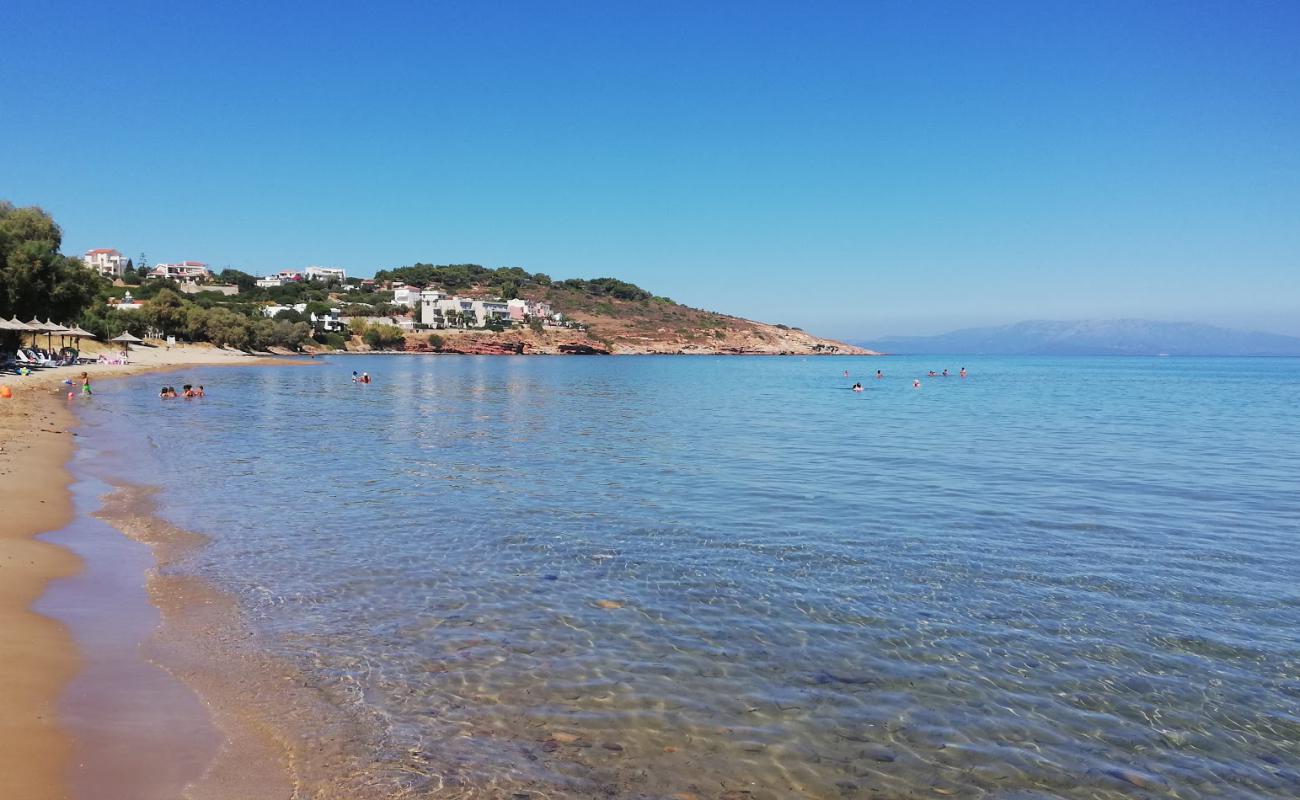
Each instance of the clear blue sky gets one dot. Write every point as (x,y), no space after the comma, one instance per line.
(854,168)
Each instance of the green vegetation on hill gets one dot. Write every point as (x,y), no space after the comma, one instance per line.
(36,280)
(505,282)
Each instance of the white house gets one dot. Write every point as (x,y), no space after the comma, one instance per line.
(325,274)
(127,303)
(105,261)
(289,275)
(406,296)
(485,310)
(185,271)
(449,306)
(270,311)
(270,282)
(328,322)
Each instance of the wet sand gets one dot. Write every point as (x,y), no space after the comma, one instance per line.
(37,654)
(89,709)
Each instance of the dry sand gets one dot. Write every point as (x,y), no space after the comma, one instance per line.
(37,655)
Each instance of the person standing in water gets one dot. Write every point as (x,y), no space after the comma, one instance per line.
(879,374)
(963,372)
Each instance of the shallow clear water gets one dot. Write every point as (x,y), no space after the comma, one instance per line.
(643,576)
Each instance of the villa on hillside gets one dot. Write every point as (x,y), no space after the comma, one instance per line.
(406,296)
(325,274)
(184,272)
(105,261)
(438,310)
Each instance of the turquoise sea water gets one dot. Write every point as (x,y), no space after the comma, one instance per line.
(1055,578)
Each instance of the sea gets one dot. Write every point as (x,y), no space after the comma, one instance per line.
(703,577)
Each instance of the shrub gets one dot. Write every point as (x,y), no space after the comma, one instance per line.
(384,337)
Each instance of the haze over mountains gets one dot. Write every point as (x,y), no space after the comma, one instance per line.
(1128,337)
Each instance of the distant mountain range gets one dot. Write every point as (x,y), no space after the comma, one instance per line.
(1121,337)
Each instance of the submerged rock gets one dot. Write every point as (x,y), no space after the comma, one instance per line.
(1132,777)
(878,752)
(610,604)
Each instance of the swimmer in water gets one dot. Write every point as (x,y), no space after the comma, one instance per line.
(933,374)
(857,387)
(963,372)
(945,373)
(354,376)
(916,383)
(846,373)
(879,374)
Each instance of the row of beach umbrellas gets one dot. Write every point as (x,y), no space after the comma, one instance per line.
(51,329)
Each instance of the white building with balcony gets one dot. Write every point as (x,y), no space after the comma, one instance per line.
(406,296)
(325,274)
(184,272)
(105,261)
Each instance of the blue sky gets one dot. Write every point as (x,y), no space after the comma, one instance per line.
(853,168)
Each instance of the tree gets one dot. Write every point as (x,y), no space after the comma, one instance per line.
(36,280)
(166,312)
(239,278)
(226,328)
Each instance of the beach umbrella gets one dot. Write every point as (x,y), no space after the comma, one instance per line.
(37,328)
(126,339)
(52,328)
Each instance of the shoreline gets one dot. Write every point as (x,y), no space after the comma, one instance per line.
(36,443)
(42,657)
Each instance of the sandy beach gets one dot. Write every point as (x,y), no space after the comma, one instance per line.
(37,435)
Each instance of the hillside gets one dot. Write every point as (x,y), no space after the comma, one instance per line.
(1134,337)
(616,317)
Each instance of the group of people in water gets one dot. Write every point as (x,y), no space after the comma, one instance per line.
(187,391)
(916,382)
(363,377)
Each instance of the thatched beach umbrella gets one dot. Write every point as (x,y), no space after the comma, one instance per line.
(126,339)
(16,326)
(51,329)
(36,328)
